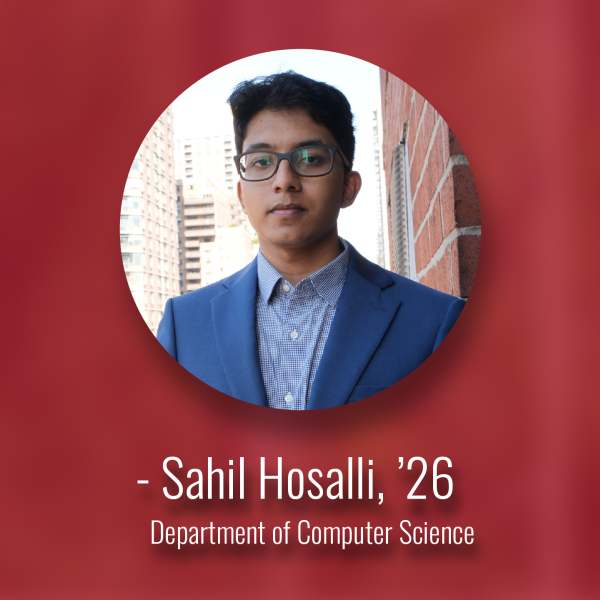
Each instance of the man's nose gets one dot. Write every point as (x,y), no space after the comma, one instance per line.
(286,178)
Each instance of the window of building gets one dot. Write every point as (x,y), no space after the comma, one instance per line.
(133,182)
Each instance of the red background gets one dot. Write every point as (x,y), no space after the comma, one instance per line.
(91,403)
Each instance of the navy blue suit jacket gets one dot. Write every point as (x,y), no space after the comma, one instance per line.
(384,327)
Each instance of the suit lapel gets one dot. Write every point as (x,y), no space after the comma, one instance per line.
(233,315)
(362,317)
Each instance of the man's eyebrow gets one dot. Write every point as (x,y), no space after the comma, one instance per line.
(258,146)
(266,146)
(313,142)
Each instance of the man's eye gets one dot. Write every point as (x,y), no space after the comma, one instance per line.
(311,159)
(263,161)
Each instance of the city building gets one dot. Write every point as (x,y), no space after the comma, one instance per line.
(434,224)
(204,209)
(148,228)
(208,157)
(231,251)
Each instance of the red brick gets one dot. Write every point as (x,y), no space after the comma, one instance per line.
(431,279)
(412,137)
(419,103)
(460,205)
(466,204)
(415,224)
(455,268)
(435,226)
(428,124)
(465,256)
(436,159)
(455,147)
(452,146)
(435,165)
(418,261)
(426,245)
(405,100)
(420,208)
(444,272)
(417,158)
(447,200)
(383,77)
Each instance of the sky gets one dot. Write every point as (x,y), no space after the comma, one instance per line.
(202,111)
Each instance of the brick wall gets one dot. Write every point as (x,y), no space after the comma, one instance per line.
(445,207)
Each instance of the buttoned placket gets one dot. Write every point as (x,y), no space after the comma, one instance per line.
(292,357)
(292,330)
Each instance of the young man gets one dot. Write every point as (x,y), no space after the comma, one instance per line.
(309,323)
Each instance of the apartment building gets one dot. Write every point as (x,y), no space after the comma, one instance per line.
(148,228)
(231,251)
(207,157)
(204,209)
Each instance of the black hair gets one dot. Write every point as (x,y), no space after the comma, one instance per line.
(284,91)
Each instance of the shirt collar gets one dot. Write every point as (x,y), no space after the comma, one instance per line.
(328,281)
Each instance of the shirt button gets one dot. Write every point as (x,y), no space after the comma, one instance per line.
(294,335)
(289,398)
(286,287)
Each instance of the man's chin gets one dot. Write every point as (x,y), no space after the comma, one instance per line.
(290,239)
(289,242)
(296,240)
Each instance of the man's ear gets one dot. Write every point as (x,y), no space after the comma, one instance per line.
(239,195)
(352,185)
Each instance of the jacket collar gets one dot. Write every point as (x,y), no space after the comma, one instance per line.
(327,282)
(362,317)
(234,322)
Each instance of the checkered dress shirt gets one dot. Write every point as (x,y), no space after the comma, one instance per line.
(292,325)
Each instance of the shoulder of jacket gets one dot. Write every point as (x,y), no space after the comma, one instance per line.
(207,293)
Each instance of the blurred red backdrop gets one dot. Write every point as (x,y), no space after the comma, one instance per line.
(91,403)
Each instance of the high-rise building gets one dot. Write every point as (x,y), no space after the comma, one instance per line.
(231,251)
(149,243)
(204,210)
(208,157)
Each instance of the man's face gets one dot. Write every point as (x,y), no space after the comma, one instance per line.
(290,211)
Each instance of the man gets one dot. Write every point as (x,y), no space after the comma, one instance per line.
(309,323)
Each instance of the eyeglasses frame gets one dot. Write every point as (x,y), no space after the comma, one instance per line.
(287,156)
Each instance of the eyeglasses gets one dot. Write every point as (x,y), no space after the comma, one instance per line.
(310,161)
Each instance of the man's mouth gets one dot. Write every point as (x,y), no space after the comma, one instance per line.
(287,210)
